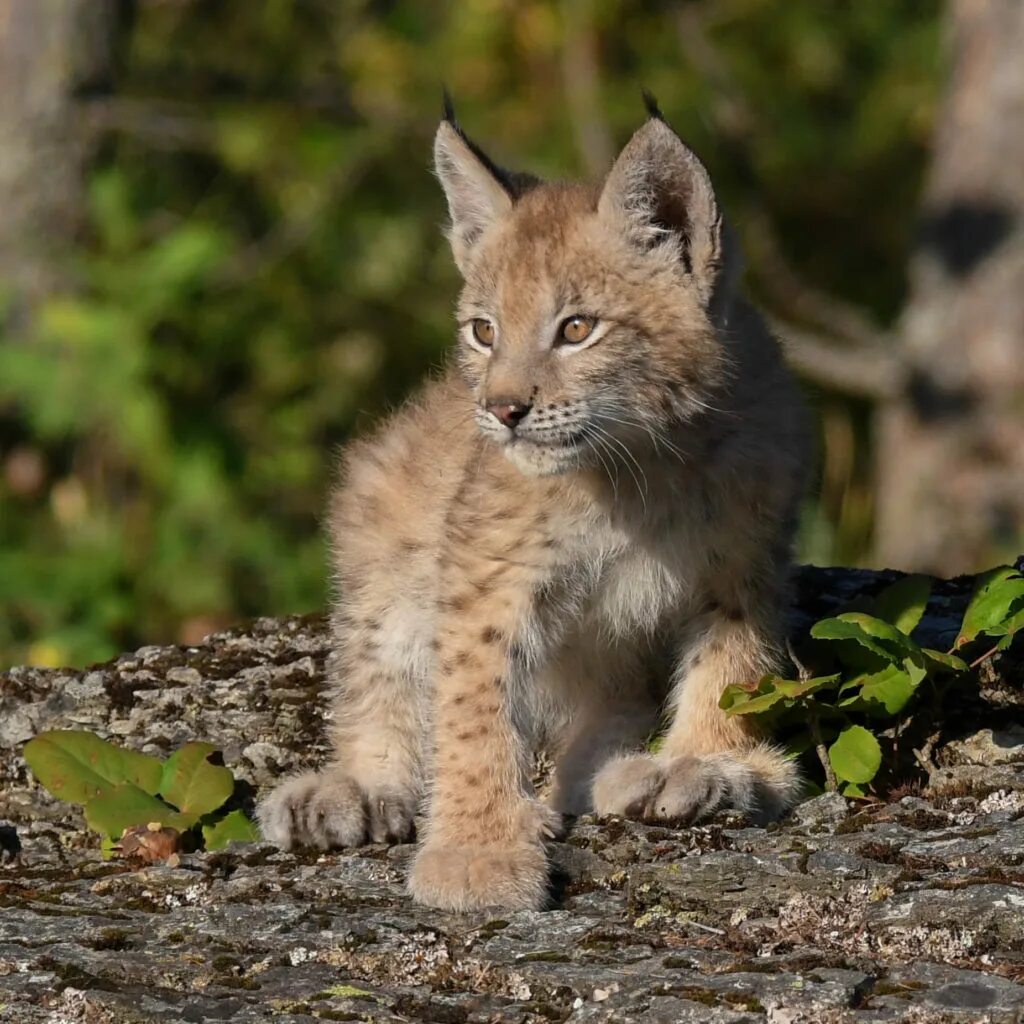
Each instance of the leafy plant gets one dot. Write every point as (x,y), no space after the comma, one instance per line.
(123,791)
(875,674)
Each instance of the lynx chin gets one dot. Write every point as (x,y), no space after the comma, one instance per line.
(584,524)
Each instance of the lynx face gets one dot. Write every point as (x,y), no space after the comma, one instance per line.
(586,321)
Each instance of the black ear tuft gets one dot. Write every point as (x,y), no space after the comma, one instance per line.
(515,183)
(651,105)
(448,107)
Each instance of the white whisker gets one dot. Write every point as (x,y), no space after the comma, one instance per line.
(621,446)
(613,476)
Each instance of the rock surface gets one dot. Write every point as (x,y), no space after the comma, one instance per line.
(908,911)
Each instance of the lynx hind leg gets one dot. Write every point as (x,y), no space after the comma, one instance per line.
(708,761)
(612,710)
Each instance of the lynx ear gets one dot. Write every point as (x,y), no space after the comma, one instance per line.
(660,194)
(478,193)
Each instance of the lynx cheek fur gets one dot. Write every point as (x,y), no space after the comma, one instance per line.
(586,521)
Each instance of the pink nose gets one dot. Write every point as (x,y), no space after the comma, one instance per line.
(508,411)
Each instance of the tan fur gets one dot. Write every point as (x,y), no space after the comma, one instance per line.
(624,548)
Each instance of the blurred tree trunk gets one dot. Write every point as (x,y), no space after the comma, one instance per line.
(950,443)
(52,53)
(947,385)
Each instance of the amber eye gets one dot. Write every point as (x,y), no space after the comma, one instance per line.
(576,329)
(483,331)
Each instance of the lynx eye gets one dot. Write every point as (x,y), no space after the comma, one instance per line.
(575,329)
(483,332)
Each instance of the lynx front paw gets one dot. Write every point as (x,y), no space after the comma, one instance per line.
(513,875)
(329,809)
(680,789)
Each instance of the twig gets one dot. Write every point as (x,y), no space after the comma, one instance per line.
(861,371)
(163,125)
(831,781)
(924,755)
(802,301)
(984,657)
(802,670)
(706,927)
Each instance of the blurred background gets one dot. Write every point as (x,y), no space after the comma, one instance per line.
(220,257)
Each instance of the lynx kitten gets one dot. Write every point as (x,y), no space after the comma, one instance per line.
(586,522)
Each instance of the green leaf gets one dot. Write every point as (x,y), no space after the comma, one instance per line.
(192,783)
(916,667)
(801,688)
(735,693)
(771,690)
(232,828)
(1008,630)
(175,261)
(1014,623)
(126,805)
(880,638)
(852,684)
(757,705)
(891,688)
(939,661)
(855,755)
(77,766)
(741,700)
(852,789)
(903,603)
(998,597)
(885,691)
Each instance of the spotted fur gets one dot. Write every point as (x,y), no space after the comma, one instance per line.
(620,551)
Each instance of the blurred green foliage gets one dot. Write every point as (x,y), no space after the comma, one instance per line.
(263,273)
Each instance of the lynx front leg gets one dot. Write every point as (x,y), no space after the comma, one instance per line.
(371,789)
(707,760)
(485,830)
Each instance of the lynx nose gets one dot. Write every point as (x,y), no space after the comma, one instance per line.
(508,411)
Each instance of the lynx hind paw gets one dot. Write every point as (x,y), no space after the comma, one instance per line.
(327,810)
(694,788)
(626,786)
(690,789)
